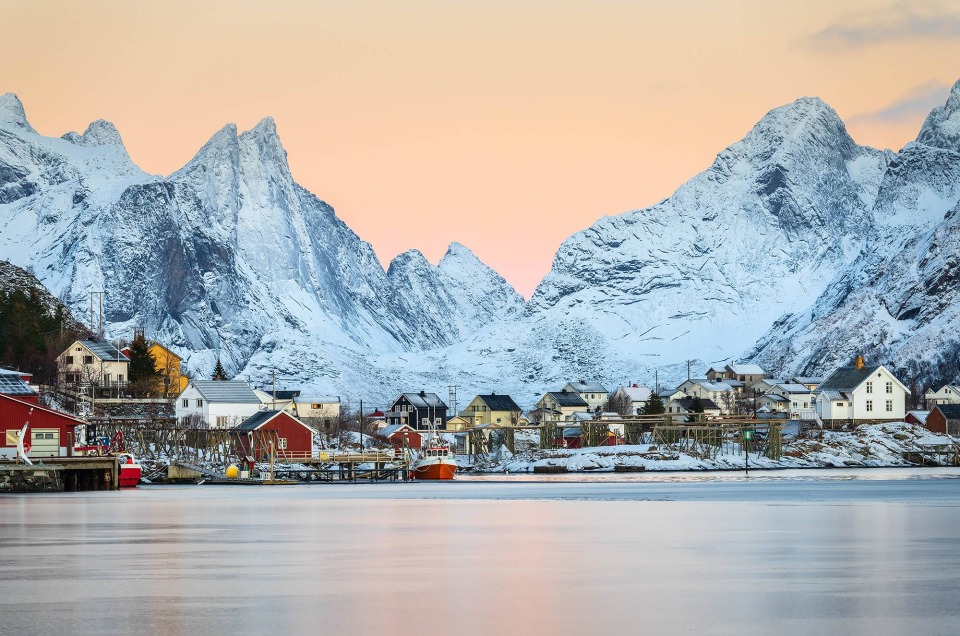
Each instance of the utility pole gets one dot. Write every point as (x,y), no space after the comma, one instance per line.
(452,390)
(273,372)
(689,362)
(361,425)
(96,329)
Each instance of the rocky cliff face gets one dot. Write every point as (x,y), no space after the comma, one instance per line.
(796,248)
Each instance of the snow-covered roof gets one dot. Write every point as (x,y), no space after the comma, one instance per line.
(920,415)
(104,351)
(321,399)
(715,386)
(390,429)
(226,391)
(773,397)
(833,396)
(424,400)
(582,416)
(803,379)
(582,386)
(746,369)
(636,393)
(793,388)
(731,382)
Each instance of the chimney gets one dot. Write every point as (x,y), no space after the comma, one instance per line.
(423,393)
(859,364)
(582,382)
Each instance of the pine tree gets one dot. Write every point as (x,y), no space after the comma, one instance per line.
(144,375)
(218,372)
(654,405)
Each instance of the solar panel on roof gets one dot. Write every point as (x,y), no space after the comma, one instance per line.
(13,385)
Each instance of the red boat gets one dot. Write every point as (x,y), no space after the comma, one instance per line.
(436,461)
(130,470)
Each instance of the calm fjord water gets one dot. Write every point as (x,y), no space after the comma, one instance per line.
(838,552)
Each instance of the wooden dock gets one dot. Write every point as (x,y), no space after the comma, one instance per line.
(63,474)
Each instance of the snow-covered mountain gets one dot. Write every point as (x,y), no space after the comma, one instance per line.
(797,248)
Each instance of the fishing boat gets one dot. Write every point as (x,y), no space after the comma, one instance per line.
(436,461)
(130,470)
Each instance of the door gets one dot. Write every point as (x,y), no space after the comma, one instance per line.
(45,442)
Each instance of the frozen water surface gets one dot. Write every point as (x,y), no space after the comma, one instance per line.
(787,552)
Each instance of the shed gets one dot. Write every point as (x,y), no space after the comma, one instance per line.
(294,439)
(944,418)
(917,417)
(396,433)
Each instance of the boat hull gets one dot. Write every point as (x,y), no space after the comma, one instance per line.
(130,475)
(436,470)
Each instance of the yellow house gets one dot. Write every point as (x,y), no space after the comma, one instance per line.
(559,406)
(172,381)
(499,410)
(458,423)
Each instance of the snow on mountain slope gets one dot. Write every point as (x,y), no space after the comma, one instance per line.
(704,273)
(796,247)
(898,302)
(228,256)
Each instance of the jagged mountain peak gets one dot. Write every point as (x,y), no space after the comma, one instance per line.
(405,261)
(221,148)
(942,126)
(103,133)
(12,112)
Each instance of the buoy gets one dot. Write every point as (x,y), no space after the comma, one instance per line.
(232,471)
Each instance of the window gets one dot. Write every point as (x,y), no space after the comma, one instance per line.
(869,387)
(119,379)
(222,421)
(88,359)
(839,403)
(199,402)
(282,443)
(68,359)
(185,403)
(869,405)
(889,406)
(315,407)
(106,378)
(889,387)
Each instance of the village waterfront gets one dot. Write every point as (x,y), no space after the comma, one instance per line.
(852,551)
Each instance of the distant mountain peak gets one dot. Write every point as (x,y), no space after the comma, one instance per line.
(942,126)
(103,133)
(11,112)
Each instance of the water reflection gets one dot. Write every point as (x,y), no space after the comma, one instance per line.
(404,559)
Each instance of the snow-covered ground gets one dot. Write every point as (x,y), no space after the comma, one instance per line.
(874,445)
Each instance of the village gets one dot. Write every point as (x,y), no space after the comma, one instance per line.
(193,429)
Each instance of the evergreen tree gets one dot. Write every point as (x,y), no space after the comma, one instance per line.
(654,405)
(696,407)
(218,372)
(144,375)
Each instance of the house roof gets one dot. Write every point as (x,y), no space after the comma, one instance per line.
(104,350)
(849,378)
(920,415)
(731,382)
(793,388)
(260,418)
(707,403)
(582,386)
(714,386)
(804,379)
(282,394)
(746,369)
(567,398)
(12,384)
(582,416)
(73,421)
(425,401)
(496,402)
(773,397)
(833,396)
(316,399)
(949,411)
(229,391)
(637,393)
(390,429)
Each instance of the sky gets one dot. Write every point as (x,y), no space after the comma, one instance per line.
(503,125)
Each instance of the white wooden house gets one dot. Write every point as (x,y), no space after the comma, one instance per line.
(636,396)
(89,362)
(861,393)
(947,394)
(593,393)
(218,403)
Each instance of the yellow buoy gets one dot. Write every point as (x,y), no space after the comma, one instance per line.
(232,471)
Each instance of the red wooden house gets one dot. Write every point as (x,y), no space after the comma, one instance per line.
(52,434)
(292,438)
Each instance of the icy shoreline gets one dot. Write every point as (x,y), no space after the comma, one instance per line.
(867,446)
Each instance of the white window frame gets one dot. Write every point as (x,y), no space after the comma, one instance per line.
(889,406)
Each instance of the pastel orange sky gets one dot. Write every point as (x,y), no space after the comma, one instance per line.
(506,126)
